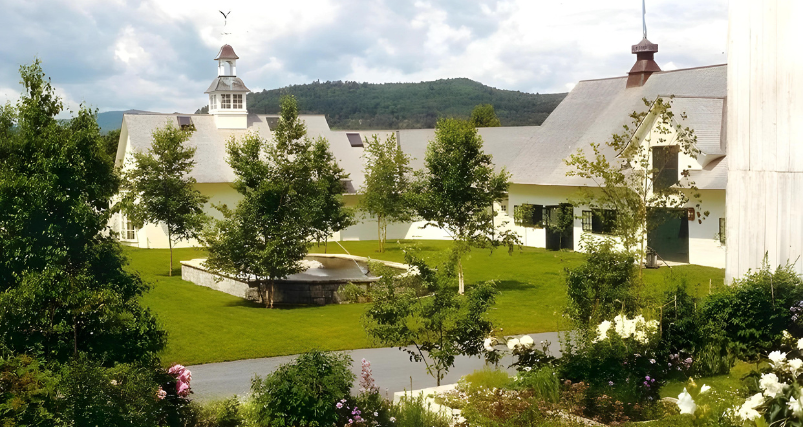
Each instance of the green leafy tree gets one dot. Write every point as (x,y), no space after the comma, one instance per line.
(64,287)
(157,187)
(630,183)
(385,191)
(425,312)
(483,116)
(282,208)
(111,141)
(457,189)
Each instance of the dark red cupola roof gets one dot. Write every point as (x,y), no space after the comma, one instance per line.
(645,64)
(226,52)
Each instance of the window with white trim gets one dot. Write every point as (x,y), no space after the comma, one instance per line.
(238,101)
(225,101)
(129,232)
(213,102)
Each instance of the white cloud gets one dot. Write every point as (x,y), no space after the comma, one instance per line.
(157,55)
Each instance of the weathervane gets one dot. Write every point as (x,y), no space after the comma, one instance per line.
(225,18)
(643,18)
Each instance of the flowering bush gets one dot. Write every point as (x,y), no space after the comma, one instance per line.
(183,377)
(779,401)
(620,367)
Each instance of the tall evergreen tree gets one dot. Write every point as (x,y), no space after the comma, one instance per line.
(385,191)
(283,208)
(158,189)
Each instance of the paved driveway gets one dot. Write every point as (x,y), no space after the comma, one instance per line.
(392,369)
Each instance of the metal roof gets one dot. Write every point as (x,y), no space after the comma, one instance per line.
(227,84)
(596,109)
(226,52)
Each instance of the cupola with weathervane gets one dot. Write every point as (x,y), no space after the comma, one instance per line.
(227,92)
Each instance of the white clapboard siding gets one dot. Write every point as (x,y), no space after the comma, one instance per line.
(765,135)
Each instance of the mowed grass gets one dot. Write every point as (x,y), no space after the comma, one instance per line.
(208,326)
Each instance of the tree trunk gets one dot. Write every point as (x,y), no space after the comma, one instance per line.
(271,293)
(263,293)
(75,337)
(170,243)
(460,283)
(379,231)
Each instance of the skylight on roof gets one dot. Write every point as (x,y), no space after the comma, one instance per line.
(354,139)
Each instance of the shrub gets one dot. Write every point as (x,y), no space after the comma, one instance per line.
(303,392)
(27,392)
(224,413)
(543,383)
(486,378)
(414,412)
(754,312)
(602,287)
(352,293)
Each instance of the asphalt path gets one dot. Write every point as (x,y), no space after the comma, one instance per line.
(392,371)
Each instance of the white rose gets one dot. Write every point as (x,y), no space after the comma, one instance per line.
(488,344)
(794,367)
(748,411)
(800,344)
(796,406)
(769,383)
(686,403)
(526,341)
(602,330)
(512,343)
(778,359)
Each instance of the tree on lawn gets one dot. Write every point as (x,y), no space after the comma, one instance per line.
(425,312)
(157,187)
(282,209)
(457,189)
(64,290)
(483,116)
(385,191)
(637,181)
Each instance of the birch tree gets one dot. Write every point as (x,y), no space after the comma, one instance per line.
(387,182)
(457,189)
(157,188)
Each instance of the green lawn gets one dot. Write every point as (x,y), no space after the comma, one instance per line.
(209,326)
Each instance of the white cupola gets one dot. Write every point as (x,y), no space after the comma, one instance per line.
(227,92)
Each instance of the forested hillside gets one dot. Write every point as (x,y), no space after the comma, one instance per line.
(352,105)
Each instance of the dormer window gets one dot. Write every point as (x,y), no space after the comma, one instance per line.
(213,102)
(238,101)
(225,101)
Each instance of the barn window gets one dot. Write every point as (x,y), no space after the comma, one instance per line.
(665,165)
(527,215)
(599,221)
(129,233)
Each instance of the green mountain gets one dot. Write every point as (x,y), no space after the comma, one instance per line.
(112,120)
(352,105)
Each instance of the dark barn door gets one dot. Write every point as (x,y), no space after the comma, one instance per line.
(669,234)
(563,239)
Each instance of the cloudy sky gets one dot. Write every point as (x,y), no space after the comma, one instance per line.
(157,54)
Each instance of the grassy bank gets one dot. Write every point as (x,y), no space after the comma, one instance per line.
(209,326)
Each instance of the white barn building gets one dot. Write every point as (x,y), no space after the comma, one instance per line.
(592,112)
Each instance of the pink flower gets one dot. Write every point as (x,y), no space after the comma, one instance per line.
(182,389)
(339,405)
(185,376)
(176,370)
(161,394)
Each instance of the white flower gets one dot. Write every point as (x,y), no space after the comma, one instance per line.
(748,411)
(800,344)
(602,330)
(769,383)
(786,335)
(794,367)
(526,341)
(796,406)
(778,359)
(686,403)
(704,388)
(488,344)
(527,368)
(512,343)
